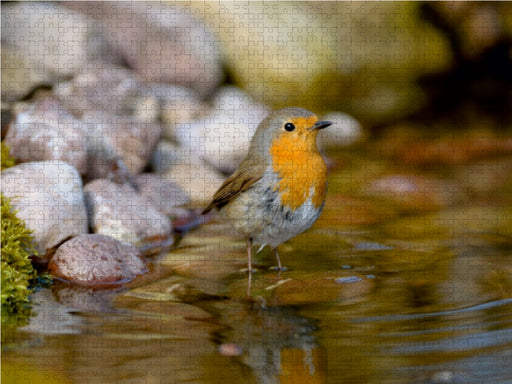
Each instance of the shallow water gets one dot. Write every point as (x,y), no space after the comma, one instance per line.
(402,280)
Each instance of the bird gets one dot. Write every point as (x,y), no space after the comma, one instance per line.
(279,189)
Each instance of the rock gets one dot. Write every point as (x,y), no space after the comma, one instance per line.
(165,156)
(99,86)
(144,108)
(86,145)
(181,50)
(46,131)
(178,105)
(49,198)
(164,194)
(198,179)
(18,76)
(103,160)
(345,130)
(133,140)
(52,38)
(97,259)
(222,138)
(121,212)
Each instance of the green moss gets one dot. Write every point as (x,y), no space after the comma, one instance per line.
(17,270)
(7,160)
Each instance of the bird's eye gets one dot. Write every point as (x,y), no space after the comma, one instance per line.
(289,127)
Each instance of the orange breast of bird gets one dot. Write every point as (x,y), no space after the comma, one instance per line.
(300,167)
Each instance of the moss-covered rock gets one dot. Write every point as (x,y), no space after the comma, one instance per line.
(7,160)
(17,270)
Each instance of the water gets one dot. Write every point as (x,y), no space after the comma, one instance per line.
(402,280)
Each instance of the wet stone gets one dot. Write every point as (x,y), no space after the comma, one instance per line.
(93,259)
(121,212)
(48,196)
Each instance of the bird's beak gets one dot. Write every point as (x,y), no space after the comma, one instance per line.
(321,125)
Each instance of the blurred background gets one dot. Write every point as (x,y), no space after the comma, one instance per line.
(378,62)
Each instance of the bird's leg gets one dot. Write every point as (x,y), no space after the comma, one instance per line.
(249,265)
(279,267)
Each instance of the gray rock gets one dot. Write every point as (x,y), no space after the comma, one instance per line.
(99,86)
(165,156)
(47,35)
(181,50)
(345,130)
(103,160)
(46,131)
(178,105)
(133,140)
(121,212)
(97,259)
(18,76)
(164,194)
(49,198)
(222,138)
(197,178)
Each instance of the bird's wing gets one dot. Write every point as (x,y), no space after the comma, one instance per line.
(232,187)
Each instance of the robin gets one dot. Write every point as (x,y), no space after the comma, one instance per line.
(278,191)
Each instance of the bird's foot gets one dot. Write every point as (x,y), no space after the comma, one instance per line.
(278,268)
